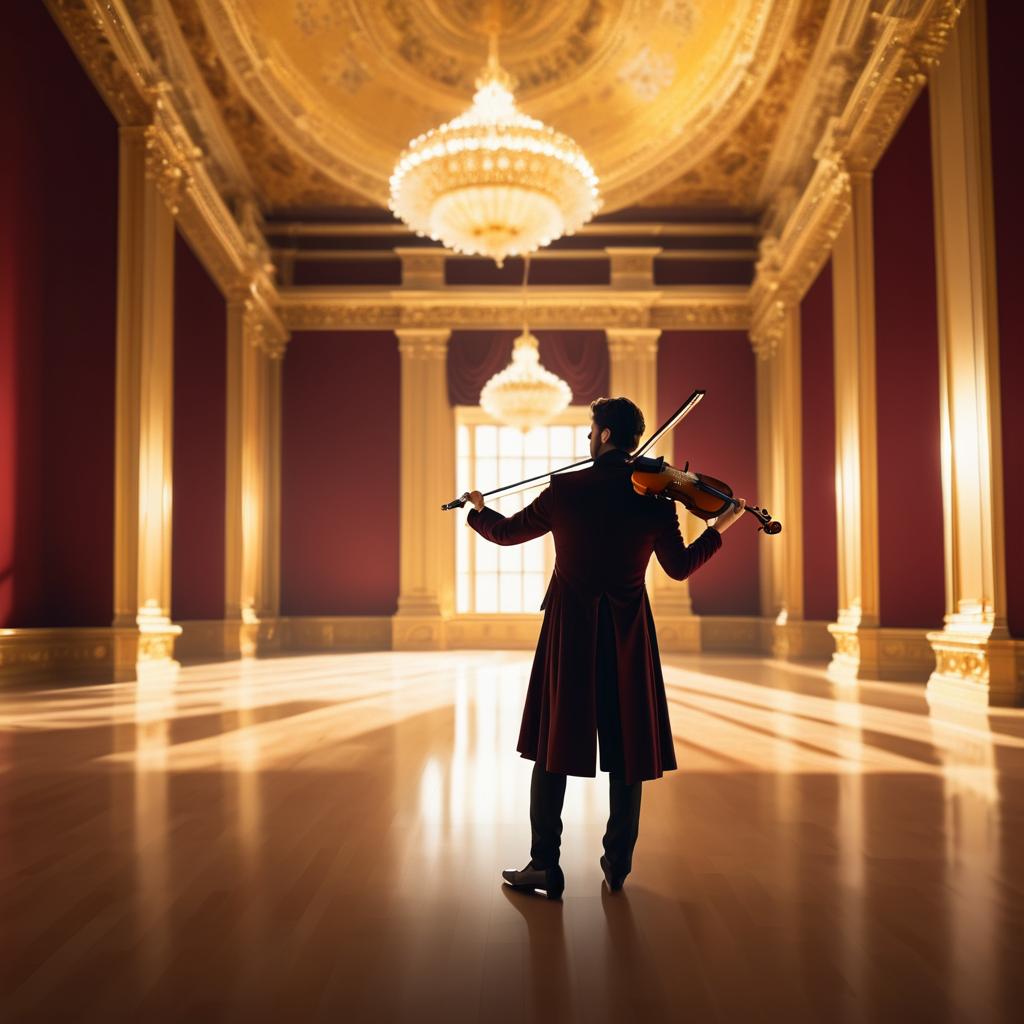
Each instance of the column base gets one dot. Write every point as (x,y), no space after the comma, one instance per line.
(976,671)
(876,653)
(144,651)
(800,640)
(417,633)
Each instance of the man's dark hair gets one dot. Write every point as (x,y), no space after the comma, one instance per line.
(622,417)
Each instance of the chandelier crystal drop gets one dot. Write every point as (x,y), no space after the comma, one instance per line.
(524,394)
(494,182)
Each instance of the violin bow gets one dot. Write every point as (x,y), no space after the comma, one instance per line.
(651,465)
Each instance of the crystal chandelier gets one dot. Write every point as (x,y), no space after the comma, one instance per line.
(494,182)
(525,394)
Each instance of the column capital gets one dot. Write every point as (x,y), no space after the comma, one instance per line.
(771,322)
(633,341)
(423,342)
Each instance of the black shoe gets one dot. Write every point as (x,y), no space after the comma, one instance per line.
(551,880)
(614,881)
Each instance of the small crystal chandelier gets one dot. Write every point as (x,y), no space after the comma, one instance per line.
(524,394)
(494,182)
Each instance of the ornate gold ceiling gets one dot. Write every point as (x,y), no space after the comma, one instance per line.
(676,102)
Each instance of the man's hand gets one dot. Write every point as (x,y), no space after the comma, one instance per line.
(726,519)
(475,498)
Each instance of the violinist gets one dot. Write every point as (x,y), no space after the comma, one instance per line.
(596,676)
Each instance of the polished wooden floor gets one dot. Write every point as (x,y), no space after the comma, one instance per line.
(320,838)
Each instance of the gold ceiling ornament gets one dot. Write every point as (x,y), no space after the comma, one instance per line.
(493,181)
(525,394)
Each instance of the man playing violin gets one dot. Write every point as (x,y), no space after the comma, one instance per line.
(596,677)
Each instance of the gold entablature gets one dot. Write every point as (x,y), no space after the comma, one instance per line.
(725,309)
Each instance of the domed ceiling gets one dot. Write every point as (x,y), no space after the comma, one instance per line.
(675,102)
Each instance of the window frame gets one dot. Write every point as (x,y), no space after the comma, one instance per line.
(474,416)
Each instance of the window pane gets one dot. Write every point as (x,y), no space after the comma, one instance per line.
(533,556)
(533,467)
(510,442)
(462,441)
(462,593)
(582,442)
(561,442)
(511,594)
(485,477)
(486,592)
(486,556)
(536,442)
(486,441)
(510,559)
(533,591)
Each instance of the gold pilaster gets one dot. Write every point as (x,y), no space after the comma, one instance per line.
(633,373)
(856,632)
(255,345)
(144,634)
(427,556)
(777,342)
(975,660)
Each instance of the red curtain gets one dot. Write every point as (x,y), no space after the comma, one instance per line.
(580,358)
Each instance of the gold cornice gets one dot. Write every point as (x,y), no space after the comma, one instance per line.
(851,144)
(104,39)
(724,308)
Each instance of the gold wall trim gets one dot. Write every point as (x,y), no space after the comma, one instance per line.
(336,633)
(805,219)
(317,309)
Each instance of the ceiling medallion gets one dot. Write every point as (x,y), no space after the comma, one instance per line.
(524,394)
(494,182)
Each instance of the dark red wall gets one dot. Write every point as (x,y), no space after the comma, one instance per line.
(1005,23)
(200,381)
(340,474)
(818,450)
(718,438)
(58,281)
(910,545)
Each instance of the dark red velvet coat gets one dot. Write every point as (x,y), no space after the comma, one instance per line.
(605,534)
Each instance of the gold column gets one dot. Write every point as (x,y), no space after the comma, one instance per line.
(974,656)
(856,632)
(427,555)
(255,345)
(776,340)
(633,366)
(144,634)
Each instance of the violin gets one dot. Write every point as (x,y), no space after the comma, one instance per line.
(702,495)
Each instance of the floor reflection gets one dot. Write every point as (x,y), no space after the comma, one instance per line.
(322,837)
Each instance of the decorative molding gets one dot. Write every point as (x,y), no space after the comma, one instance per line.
(723,308)
(901,45)
(632,267)
(45,651)
(879,652)
(422,267)
(493,632)
(336,633)
(800,639)
(735,633)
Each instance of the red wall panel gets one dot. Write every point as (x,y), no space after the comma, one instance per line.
(58,259)
(718,438)
(340,474)
(200,380)
(1005,23)
(910,544)
(818,450)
